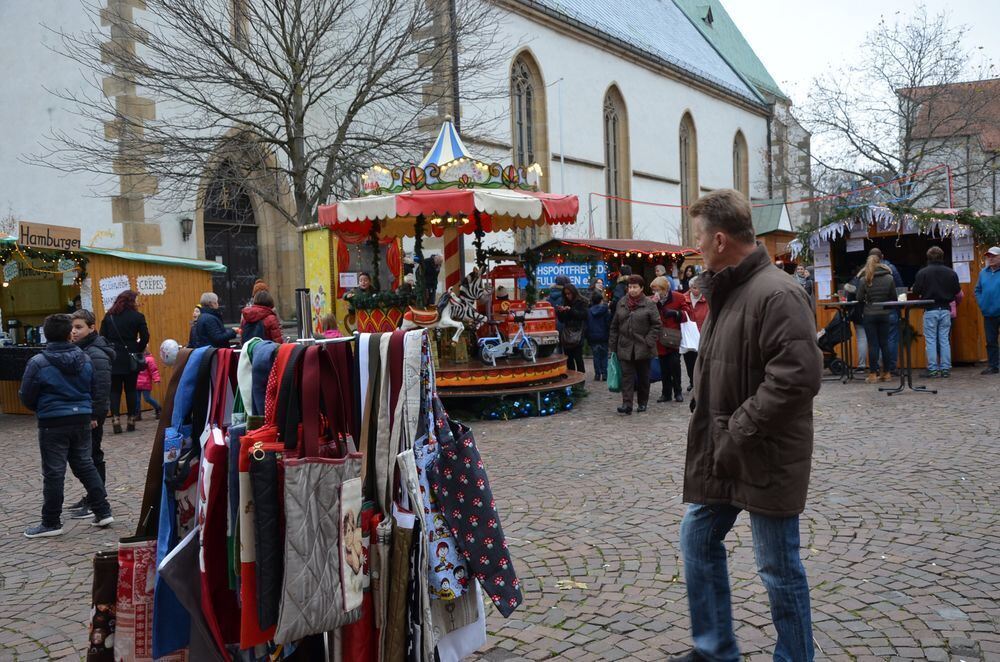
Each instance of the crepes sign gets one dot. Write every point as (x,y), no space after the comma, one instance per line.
(54,237)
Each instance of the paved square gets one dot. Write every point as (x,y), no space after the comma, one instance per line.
(900,537)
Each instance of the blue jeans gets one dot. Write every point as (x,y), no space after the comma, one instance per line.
(59,446)
(893,339)
(878,334)
(150,400)
(600,352)
(991,325)
(776,549)
(937,334)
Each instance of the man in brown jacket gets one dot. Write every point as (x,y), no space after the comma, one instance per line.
(751,436)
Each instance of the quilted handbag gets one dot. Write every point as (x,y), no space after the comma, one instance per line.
(472,518)
(313,591)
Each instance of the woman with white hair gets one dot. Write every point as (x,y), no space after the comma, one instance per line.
(209,330)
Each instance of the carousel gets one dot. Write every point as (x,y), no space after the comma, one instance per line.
(486,347)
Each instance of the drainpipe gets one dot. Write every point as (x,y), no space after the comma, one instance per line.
(770,159)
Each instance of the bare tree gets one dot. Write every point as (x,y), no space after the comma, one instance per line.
(8,222)
(899,112)
(289,99)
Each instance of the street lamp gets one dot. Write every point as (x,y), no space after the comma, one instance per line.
(187,225)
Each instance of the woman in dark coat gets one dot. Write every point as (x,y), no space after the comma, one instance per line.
(876,285)
(572,313)
(125,328)
(635,329)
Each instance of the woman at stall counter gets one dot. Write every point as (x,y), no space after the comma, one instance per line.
(875,286)
(635,329)
(125,328)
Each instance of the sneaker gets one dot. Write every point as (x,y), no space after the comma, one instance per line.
(102,520)
(690,656)
(663,398)
(678,398)
(990,371)
(42,531)
(82,503)
(929,374)
(81,513)
(945,374)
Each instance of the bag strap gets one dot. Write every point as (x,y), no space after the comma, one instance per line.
(199,406)
(288,413)
(222,388)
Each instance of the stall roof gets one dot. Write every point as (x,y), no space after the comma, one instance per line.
(626,246)
(203,265)
(770,216)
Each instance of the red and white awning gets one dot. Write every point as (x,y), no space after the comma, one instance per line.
(497,210)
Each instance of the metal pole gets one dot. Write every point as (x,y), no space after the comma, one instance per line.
(304,311)
(562,150)
(456,106)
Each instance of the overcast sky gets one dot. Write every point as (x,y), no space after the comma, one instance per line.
(799,39)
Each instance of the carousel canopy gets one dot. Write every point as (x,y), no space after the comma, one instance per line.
(449,188)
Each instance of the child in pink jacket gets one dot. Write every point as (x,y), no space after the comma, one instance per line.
(148,376)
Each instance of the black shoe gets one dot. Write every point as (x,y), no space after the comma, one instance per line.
(641,408)
(990,371)
(625,410)
(81,513)
(82,503)
(690,656)
(930,374)
(678,398)
(102,521)
(944,374)
(42,531)
(137,417)
(157,414)
(663,398)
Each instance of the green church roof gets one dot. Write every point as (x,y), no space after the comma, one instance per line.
(712,20)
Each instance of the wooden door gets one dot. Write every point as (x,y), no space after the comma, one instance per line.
(236,247)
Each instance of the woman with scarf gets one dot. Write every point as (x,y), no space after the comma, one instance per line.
(635,330)
(803,278)
(697,312)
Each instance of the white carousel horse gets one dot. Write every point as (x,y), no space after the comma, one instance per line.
(453,309)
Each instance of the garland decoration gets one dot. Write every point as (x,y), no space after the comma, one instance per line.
(49,259)
(373,244)
(525,405)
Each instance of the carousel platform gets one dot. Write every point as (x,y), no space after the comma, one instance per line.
(515,375)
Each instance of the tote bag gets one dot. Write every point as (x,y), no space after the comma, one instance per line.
(690,336)
(313,596)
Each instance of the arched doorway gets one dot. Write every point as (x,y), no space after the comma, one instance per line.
(230,231)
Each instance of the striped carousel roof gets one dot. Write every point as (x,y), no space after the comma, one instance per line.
(447,147)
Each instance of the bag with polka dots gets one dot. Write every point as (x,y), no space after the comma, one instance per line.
(460,485)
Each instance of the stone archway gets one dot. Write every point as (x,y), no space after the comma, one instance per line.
(275,240)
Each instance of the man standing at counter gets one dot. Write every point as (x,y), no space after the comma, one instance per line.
(59,386)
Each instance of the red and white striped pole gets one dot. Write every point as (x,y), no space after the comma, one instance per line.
(452,257)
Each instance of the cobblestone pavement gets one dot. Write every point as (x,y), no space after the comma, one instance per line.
(900,535)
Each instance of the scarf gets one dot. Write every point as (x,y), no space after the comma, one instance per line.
(696,299)
(802,280)
(632,302)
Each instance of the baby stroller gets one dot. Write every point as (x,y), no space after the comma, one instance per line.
(835,333)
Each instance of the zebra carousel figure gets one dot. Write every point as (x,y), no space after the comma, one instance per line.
(453,308)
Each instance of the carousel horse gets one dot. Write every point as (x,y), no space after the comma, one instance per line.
(453,308)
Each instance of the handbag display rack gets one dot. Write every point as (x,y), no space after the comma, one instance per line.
(307,501)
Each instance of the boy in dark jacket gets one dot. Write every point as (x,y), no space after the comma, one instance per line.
(598,328)
(84,335)
(59,386)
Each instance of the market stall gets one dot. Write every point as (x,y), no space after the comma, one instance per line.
(840,247)
(583,259)
(41,281)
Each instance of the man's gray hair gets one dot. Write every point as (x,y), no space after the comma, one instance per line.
(209,299)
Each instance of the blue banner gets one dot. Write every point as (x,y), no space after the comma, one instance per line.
(577,272)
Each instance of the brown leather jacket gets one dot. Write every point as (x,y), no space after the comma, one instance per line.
(634,333)
(750,439)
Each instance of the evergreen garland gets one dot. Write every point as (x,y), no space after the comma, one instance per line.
(51,258)
(373,243)
(362,301)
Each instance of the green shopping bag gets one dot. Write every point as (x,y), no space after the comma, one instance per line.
(614,374)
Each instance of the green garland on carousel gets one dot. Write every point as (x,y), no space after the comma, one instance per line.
(380,300)
(373,244)
(985,227)
(50,258)
(509,407)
